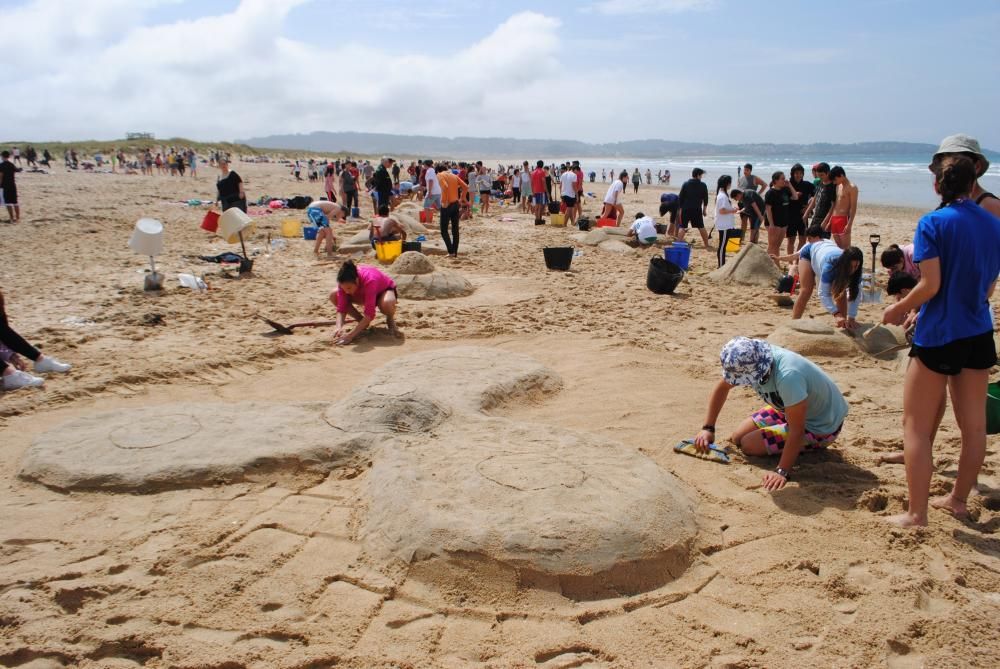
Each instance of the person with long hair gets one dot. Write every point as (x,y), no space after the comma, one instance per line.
(778,203)
(898,258)
(13,369)
(725,214)
(368,287)
(838,273)
(957,247)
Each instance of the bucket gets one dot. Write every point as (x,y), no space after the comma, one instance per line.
(558,220)
(412,246)
(663,276)
(678,253)
(661,229)
(583,224)
(607,222)
(423,216)
(232,222)
(309,232)
(211,221)
(291,227)
(993,408)
(147,237)
(554,207)
(733,245)
(558,257)
(386,252)
(355,212)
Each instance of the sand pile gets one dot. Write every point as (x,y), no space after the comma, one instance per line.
(616,246)
(814,339)
(411,225)
(592,238)
(751,266)
(418,279)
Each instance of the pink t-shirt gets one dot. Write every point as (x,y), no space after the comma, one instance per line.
(371,283)
(909,266)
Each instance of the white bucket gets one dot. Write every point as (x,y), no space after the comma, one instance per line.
(147,238)
(232,222)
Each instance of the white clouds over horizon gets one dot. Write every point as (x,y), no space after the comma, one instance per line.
(619,7)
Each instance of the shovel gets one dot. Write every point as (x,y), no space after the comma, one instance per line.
(287,329)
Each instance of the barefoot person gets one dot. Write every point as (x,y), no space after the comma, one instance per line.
(845,208)
(838,273)
(804,409)
(957,248)
(12,369)
(778,201)
(320,213)
(613,207)
(366,286)
(694,206)
(8,188)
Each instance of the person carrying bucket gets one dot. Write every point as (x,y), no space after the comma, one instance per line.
(804,409)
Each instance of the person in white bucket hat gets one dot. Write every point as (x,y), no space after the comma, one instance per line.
(969,146)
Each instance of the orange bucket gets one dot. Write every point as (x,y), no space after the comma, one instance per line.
(210,222)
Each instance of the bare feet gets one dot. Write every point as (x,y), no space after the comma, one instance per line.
(907,520)
(891,458)
(393,330)
(955,507)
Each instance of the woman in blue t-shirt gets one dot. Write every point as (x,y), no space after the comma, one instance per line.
(957,248)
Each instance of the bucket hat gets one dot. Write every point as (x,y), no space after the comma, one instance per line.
(963,144)
(746,362)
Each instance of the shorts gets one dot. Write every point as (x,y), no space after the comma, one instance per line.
(978,352)
(838,224)
(648,240)
(797,228)
(8,197)
(774,429)
(570,202)
(485,192)
(694,218)
(539,198)
(317,217)
(432,202)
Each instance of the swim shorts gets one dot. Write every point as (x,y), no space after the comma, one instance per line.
(796,227)
(774,429)
(570,202)
(838,224)
(317,217)
(539,198)
(978,352)
(692,217)
(432,202)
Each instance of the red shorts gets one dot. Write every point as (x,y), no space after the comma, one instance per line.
(838,224)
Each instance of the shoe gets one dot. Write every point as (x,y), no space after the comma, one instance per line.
(47,364)
(21,379)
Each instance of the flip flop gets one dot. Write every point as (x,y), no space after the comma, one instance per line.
(715,453)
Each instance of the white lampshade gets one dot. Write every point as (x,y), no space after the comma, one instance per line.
(147,237)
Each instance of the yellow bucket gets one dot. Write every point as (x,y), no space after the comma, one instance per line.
(291,227)
(386,252)
(733,245)
(558,219)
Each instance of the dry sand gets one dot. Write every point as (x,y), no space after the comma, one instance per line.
(275,571)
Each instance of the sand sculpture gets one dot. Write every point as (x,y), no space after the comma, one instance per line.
(751,266)
(417,278)
(816,338)
(450,487)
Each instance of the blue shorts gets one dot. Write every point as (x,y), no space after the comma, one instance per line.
(317,217)
(432,202)
(539,198)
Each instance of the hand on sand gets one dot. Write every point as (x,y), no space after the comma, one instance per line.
(773,481)
(702,441)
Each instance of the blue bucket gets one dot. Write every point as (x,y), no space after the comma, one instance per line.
(309,232)
(355,212)
(679,253)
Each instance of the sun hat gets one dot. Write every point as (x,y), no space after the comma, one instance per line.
(746,362)
(963,144)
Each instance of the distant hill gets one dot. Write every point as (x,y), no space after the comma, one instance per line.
(529,149)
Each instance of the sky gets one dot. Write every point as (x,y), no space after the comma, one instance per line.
(716,71)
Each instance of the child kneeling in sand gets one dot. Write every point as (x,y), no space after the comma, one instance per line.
(804,409)
(366,286)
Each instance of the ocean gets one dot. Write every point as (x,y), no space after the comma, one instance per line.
(904,181)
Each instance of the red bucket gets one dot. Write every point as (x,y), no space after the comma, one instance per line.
(210,222)
(423,216)
(607,222)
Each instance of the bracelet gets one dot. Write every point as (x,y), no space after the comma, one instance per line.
(709,428)
(783,473)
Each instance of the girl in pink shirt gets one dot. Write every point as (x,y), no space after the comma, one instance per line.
(366,286)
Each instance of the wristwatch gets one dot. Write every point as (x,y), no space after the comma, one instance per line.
(783,473)
(708,428)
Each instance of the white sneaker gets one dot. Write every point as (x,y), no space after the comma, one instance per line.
(47,364)
(21,379)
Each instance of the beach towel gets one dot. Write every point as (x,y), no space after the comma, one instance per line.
(226,257)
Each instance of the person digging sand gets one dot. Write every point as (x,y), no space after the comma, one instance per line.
(366,286)
(804,409)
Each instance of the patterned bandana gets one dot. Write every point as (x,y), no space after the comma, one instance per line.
(746,362)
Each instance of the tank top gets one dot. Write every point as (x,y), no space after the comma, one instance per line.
(979,200)
(746,182)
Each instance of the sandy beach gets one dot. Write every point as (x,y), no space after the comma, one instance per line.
(275,568)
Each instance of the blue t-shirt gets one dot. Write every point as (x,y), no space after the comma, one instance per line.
(966,239)
(794,379)
(822,255)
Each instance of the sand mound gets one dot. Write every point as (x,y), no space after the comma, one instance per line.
(592,238)
(878,339)
(410,224)
(389,408)
(751,266)
(181,445)
(812,338)
(616,246)
(417,279)
(557,510)
(412,262)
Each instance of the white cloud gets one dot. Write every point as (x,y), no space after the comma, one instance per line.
(238,75)
(619,7)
